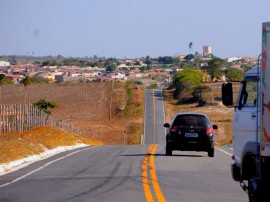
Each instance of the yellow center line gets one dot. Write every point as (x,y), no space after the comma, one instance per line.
(157,189)
(148,166)
(145,182)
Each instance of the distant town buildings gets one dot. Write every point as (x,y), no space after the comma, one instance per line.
(127,69)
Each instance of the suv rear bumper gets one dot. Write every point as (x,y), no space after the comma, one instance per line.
(190,146)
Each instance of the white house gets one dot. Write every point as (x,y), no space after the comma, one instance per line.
(4,64)
(232,59)
(118,75)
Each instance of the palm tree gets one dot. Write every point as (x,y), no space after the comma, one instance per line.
(26,81)
(190,46)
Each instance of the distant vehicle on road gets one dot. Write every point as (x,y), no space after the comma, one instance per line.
(190,132)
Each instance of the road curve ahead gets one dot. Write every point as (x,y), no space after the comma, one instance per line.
(127,173)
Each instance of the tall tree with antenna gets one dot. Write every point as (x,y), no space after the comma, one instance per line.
(190,46)
(2,76)
(26,82)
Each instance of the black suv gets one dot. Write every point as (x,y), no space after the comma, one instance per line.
(190,132)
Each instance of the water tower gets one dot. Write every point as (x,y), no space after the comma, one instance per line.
(207,51)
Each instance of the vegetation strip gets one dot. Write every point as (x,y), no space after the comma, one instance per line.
(148,167)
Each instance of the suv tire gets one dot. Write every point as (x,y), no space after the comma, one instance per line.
(168,150)
(211,152)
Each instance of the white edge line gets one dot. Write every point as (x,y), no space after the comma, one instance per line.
(44,166)
(164,113)
(223,151)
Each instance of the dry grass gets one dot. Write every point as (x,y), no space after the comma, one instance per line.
(218,114)
(14,146)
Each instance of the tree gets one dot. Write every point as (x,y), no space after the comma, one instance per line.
(124,68)
(26,82)
(201,94)
(128,64)
(137,63)
(142,68)
(213,68)
(165,66)
(190,46)
(59,57)
(186,80)
(246,67)
(110,67)
(234,74)
(12,60)
(45,63)
(111,64)
(166,60)
(44,105)
(148,61)
(2,77)
(189,57)
(188,64)
(148,67)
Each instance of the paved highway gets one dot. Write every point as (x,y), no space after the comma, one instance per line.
(127,173)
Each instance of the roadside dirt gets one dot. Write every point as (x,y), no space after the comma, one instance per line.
(87,106)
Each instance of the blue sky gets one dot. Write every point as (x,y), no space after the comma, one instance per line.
(131,28)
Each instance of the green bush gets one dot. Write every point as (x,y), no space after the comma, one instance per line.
(153,86)
(185,81)
(234,74)
(138,82)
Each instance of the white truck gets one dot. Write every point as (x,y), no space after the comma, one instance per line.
(251,126)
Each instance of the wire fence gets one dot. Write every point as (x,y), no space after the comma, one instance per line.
(22,117)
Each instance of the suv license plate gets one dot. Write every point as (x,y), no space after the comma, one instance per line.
(191,134)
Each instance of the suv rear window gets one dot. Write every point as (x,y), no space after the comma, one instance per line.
(191,120)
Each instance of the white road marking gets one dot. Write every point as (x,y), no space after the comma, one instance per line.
(44,166)
(224,151)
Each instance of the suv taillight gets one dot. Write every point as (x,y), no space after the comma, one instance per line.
(209,131)
(173,129)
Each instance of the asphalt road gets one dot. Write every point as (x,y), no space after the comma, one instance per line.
(127,173)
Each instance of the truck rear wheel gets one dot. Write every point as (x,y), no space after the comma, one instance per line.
(257,191)
(253,190)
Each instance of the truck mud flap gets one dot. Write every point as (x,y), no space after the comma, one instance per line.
(235,170)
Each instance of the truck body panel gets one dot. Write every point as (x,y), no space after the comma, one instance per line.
(244,123)
(251,126)
(265,84)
